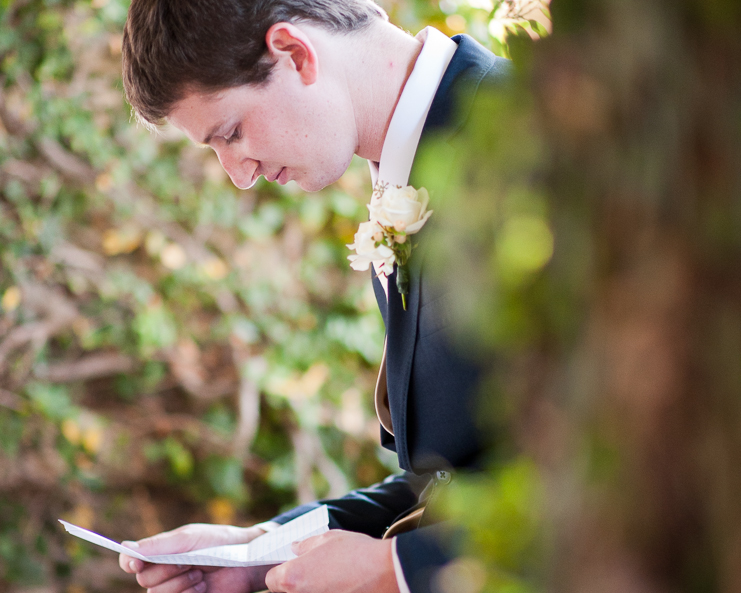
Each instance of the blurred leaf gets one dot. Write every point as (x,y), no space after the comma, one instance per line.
(225,477)
(52,401)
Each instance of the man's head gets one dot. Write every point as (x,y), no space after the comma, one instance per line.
(299,125)
(175,47)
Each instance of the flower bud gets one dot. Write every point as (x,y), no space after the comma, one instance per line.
(401,239)
(378,237)
(400,226)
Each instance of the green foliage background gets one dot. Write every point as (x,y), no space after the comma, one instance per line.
(172,349)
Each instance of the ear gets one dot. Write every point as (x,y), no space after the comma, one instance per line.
(289,44)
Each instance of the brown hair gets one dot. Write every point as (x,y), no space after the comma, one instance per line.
(172,46)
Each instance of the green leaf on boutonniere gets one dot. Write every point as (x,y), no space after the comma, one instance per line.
(402,283)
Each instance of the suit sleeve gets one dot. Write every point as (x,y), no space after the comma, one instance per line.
(368,510)
(423,552)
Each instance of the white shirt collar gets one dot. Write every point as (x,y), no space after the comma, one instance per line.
(405,128)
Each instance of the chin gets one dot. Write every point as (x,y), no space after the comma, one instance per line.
(317,184)
(310,185)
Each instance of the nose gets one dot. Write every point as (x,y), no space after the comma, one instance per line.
(241,170)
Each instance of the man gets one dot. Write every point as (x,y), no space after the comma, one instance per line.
(291,90)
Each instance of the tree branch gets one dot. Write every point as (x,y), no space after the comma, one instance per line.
(92,366)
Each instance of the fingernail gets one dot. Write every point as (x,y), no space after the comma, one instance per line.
(195,575)
(132,545)
(200,587)
(132,565)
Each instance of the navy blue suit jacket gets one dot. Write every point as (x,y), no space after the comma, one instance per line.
(432,388)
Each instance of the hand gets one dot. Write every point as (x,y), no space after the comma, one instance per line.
(170,578)
(337,562)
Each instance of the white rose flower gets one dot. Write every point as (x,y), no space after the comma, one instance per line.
(395,213)
(405,205)
(367,252)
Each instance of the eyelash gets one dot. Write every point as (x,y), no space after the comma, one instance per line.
(235,136)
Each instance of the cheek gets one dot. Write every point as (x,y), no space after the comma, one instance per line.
(325,125)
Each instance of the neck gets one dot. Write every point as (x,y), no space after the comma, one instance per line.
(377,75)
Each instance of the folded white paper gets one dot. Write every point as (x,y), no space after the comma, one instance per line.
(272,548)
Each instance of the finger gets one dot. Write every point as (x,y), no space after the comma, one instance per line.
(156,574)
(129,564)
(308,544)
(276,579)
(158,544)
(168,542)
(256,577)
(182,584)
(192,579)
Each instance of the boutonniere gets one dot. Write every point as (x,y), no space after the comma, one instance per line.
(395,214)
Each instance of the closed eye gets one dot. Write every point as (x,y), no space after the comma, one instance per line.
(236,135)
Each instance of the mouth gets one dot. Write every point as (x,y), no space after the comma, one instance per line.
(274,176)
(283,176)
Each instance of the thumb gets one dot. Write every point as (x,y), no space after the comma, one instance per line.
(131,545)
(308,544)
(168,542)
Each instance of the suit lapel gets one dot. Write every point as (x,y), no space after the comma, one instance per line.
(401,338)
(380,297)
(469,66)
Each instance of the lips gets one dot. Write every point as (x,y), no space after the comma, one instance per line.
(283,176)
(273,176)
